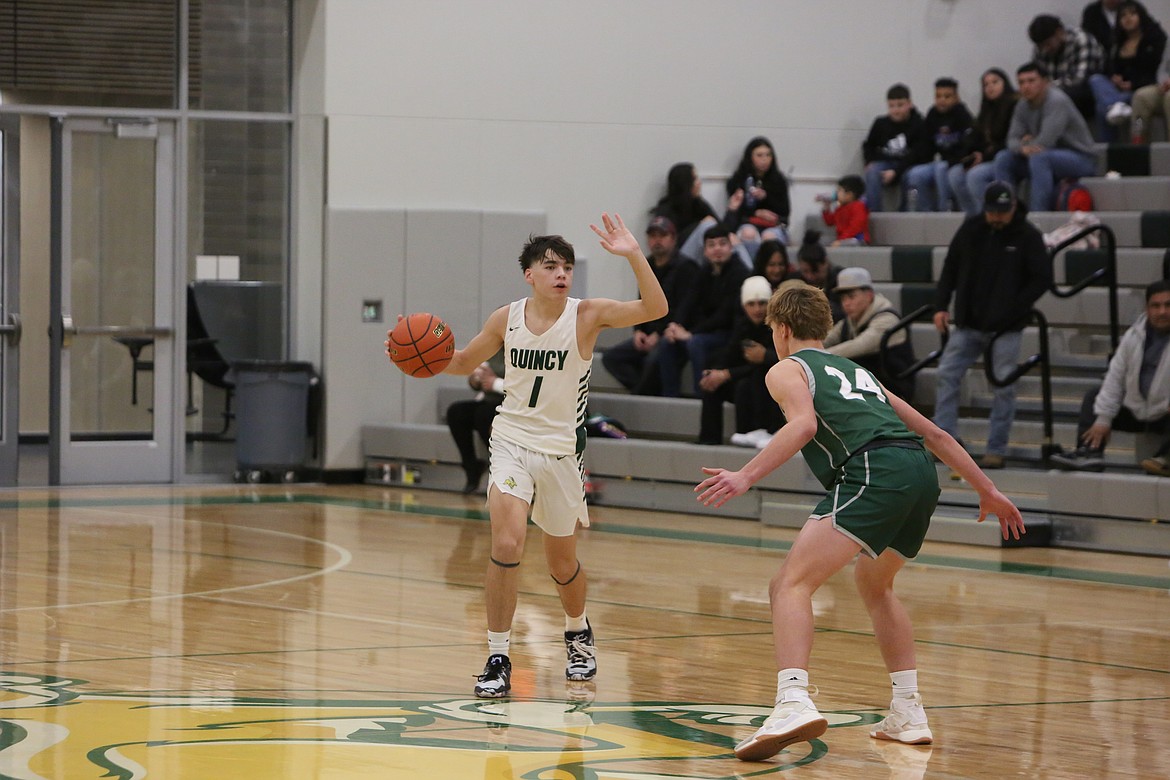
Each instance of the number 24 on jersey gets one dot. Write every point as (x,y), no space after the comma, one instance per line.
(862,381)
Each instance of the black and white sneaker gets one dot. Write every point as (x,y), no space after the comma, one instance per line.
(582,654)
(1080,459)
(496,680)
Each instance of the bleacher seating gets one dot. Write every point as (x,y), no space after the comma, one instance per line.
(657,467)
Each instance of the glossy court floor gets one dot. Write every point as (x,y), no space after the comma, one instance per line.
(333,632)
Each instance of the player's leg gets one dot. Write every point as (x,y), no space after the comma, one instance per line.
(558,508)
(510,492)
(895,635)
(819,552)
(874,577)
(509,516)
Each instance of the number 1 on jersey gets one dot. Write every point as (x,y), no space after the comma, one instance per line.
(535,390)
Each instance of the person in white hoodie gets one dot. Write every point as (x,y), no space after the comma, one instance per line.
(1135,395)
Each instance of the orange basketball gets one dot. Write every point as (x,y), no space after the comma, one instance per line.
(421,345)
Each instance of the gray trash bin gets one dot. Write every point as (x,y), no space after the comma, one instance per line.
(272,430)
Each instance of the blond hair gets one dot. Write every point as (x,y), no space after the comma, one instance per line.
(803,308)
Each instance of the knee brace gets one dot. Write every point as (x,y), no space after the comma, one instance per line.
(504,565)
(566,582)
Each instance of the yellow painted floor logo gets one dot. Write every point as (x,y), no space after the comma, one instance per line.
(53,728)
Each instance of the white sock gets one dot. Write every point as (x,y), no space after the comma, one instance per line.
(498,642)
(576,625)
(788,679)
(905,683)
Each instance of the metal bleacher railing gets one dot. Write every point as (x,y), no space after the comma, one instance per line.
(1107,274)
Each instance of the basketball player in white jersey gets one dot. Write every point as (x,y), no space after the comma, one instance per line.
(538,437)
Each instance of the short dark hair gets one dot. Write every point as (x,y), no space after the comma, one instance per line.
(1043,27)
(946,82)
(718,230)
(898,92)
(1032,67)
(538,246)
(1153,288)
(812,253)
(853,184)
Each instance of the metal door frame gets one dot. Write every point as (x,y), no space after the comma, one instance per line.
(117,461)
(10,329)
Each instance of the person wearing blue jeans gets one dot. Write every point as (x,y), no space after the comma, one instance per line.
(946,136)
(1048,139)
(968,184)
(888,147)
(995,270)
(702,324)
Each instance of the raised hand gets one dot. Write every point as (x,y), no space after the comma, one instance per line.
(616,237)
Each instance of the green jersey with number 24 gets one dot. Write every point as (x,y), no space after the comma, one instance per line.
(852,410)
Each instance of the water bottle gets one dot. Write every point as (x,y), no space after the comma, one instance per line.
(749,200)
(1136,130)
(912,199)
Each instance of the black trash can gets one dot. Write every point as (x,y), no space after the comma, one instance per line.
(272,418)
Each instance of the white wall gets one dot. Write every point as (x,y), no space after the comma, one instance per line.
(570,108)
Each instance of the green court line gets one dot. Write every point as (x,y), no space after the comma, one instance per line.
(954,562)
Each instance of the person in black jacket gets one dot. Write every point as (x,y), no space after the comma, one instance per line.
(634,362)
(737,374)
(475,415)
(888,147)
(757,195)
(945,138)
(1099,19)
(702,325)
(996,269)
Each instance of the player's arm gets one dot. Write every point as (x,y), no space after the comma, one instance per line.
(789,387)
(950,452)
(485,344)
(651,303)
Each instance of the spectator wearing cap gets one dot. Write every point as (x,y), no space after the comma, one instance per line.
(996,268)
(634,362)
(858,335)
(1047,140)
(737,374)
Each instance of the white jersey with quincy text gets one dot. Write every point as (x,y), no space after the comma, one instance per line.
(546,384)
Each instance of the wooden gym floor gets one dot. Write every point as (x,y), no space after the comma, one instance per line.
(333,632)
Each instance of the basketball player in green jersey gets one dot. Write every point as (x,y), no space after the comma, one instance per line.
(865,445)
(538,436)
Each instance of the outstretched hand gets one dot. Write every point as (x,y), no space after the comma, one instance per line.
(721,486)
(1010,520)
(616,237)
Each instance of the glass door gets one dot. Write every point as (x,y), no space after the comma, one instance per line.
(112,318)
(10,330)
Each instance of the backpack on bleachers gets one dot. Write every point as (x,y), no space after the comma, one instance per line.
(1071,195)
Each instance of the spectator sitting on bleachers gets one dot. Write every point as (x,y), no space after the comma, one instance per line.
(702,325)
(1048,140)
(757,196)
(976,170)
(996,268)
(944,140)
(634,362)
(887,148)
(685,207)
(737,374)
(1135,394)
(847,212)
(1148,102)
(475,415)
(1069,56)
(772,263)
(813,262)
(858,335)
(1134,57)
